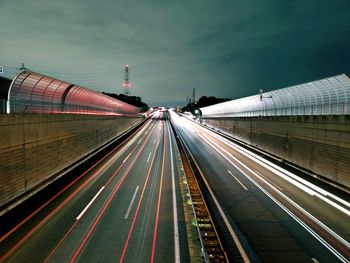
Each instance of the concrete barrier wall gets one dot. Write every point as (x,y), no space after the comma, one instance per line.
(319,144)
(34,147)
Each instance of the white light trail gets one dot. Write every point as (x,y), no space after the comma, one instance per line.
(221,151)
(288,176)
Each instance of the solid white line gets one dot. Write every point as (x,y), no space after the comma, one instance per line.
(314,260)
(279,188)
(340,208)
(131,202)
(89,204)
(223,215)
(309,229)
(283,173)
(149,156)
(140,141)
(154,140)
(176,226)
(303,184)
(244,187)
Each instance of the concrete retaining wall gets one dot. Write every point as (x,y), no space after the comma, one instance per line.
(319,144)
(34,147)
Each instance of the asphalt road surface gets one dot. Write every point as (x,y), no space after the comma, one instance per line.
(126,208)
(275,215)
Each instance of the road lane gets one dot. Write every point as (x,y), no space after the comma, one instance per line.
(93,224)
(126,205)
(173,191)
(83,190)
(272,234)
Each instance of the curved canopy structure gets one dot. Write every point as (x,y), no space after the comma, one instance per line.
(32,92)
(330,96)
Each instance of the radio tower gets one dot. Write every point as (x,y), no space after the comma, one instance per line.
(126,84)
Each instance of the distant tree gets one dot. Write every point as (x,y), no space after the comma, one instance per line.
(204,101)
(132,100)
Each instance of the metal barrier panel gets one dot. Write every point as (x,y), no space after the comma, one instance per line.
(32,92)
(322,97)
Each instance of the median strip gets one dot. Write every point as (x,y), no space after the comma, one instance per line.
(211,245)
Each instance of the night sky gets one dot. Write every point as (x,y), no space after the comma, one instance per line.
(222,48)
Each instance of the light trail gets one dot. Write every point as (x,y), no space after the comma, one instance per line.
(154,243)
(59,207)
(138,206)
(233,235)
(288,176)
(176,223)
(313,232)
(69,185)
(109,200)
(75,223)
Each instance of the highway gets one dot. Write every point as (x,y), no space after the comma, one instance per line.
(125,208)
(274,215)
(128,207)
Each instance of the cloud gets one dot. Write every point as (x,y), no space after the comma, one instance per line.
(222,48)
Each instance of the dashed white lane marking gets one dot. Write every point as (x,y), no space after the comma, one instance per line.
(131,202)
(89,204)
(149,156)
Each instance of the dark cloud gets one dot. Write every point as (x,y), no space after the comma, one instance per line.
(223,48)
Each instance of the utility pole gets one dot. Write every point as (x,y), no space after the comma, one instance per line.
(194,96)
